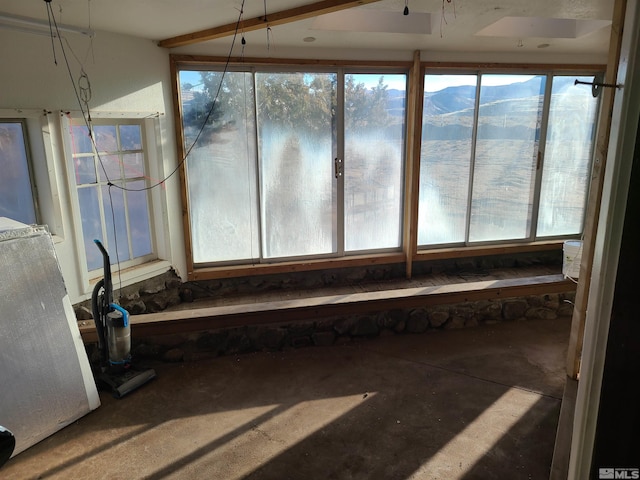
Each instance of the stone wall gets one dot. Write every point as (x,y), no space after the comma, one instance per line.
(343,330)
(167,290)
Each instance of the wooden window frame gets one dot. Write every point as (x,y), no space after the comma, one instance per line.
(409,252)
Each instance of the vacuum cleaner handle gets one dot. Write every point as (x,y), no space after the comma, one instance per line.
(108,286)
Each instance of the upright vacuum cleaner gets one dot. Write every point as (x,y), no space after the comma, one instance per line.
(115,371)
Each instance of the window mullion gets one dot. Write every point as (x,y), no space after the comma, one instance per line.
(123,181)
(472,159)
(339,156)
(258,175)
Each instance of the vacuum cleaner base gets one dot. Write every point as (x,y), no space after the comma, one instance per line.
(119,383)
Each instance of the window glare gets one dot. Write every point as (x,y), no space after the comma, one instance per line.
(261,178)
(509,120)
(497,158)
(16,196)
(221,165)
(289,166)
(572,123)
(295,134)
(374,146)
(445,159)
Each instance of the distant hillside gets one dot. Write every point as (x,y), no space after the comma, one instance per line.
(506,110)
(462,99)
(451,99)
(396,102)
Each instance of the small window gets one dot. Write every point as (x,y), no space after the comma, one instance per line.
(111,180)
(16,189)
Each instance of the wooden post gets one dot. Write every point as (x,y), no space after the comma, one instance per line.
(576,338)
(414,139)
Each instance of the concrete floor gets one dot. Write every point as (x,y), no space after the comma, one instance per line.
(478,403)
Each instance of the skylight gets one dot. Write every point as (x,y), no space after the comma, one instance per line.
(522,27)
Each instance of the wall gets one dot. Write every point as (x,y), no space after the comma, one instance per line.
(127,76)
(616,443)
(608,257)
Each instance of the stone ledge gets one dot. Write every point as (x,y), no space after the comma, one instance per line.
(399,310)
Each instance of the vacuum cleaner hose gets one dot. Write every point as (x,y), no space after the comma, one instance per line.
(98,316)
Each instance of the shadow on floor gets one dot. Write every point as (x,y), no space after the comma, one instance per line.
(414,406)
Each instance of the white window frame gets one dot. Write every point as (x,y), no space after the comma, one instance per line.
(41,137)
(141,267)
(29,163)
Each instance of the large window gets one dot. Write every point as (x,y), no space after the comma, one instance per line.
(290,164)
(503,157)
(16,191)
(109,171)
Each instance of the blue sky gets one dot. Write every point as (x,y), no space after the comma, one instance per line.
(434,82)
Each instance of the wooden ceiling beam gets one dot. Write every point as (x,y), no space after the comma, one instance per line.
(277,18)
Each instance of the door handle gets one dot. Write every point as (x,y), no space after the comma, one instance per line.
(337,163)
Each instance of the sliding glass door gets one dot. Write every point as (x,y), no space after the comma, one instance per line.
(290,164)
(296,132)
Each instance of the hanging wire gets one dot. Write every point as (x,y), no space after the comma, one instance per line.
(199,134)
(53,45)
(83,94)
(82,91)
(242,40)
(269,38)
(208,116)
(443,16)
(268,30)
(89,26)
(84,86)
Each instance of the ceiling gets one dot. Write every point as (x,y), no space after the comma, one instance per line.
(444,28)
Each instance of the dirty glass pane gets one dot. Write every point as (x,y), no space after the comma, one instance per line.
(85,170)
(374,117)
(80,140)
(133,164)
(130,137)
(109,165)
(509,118)
(91,224)
(445,158)
(221,171)
(567,157)
(106,140)
(295,116)
(113,204)
(139,228)
(16,196)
